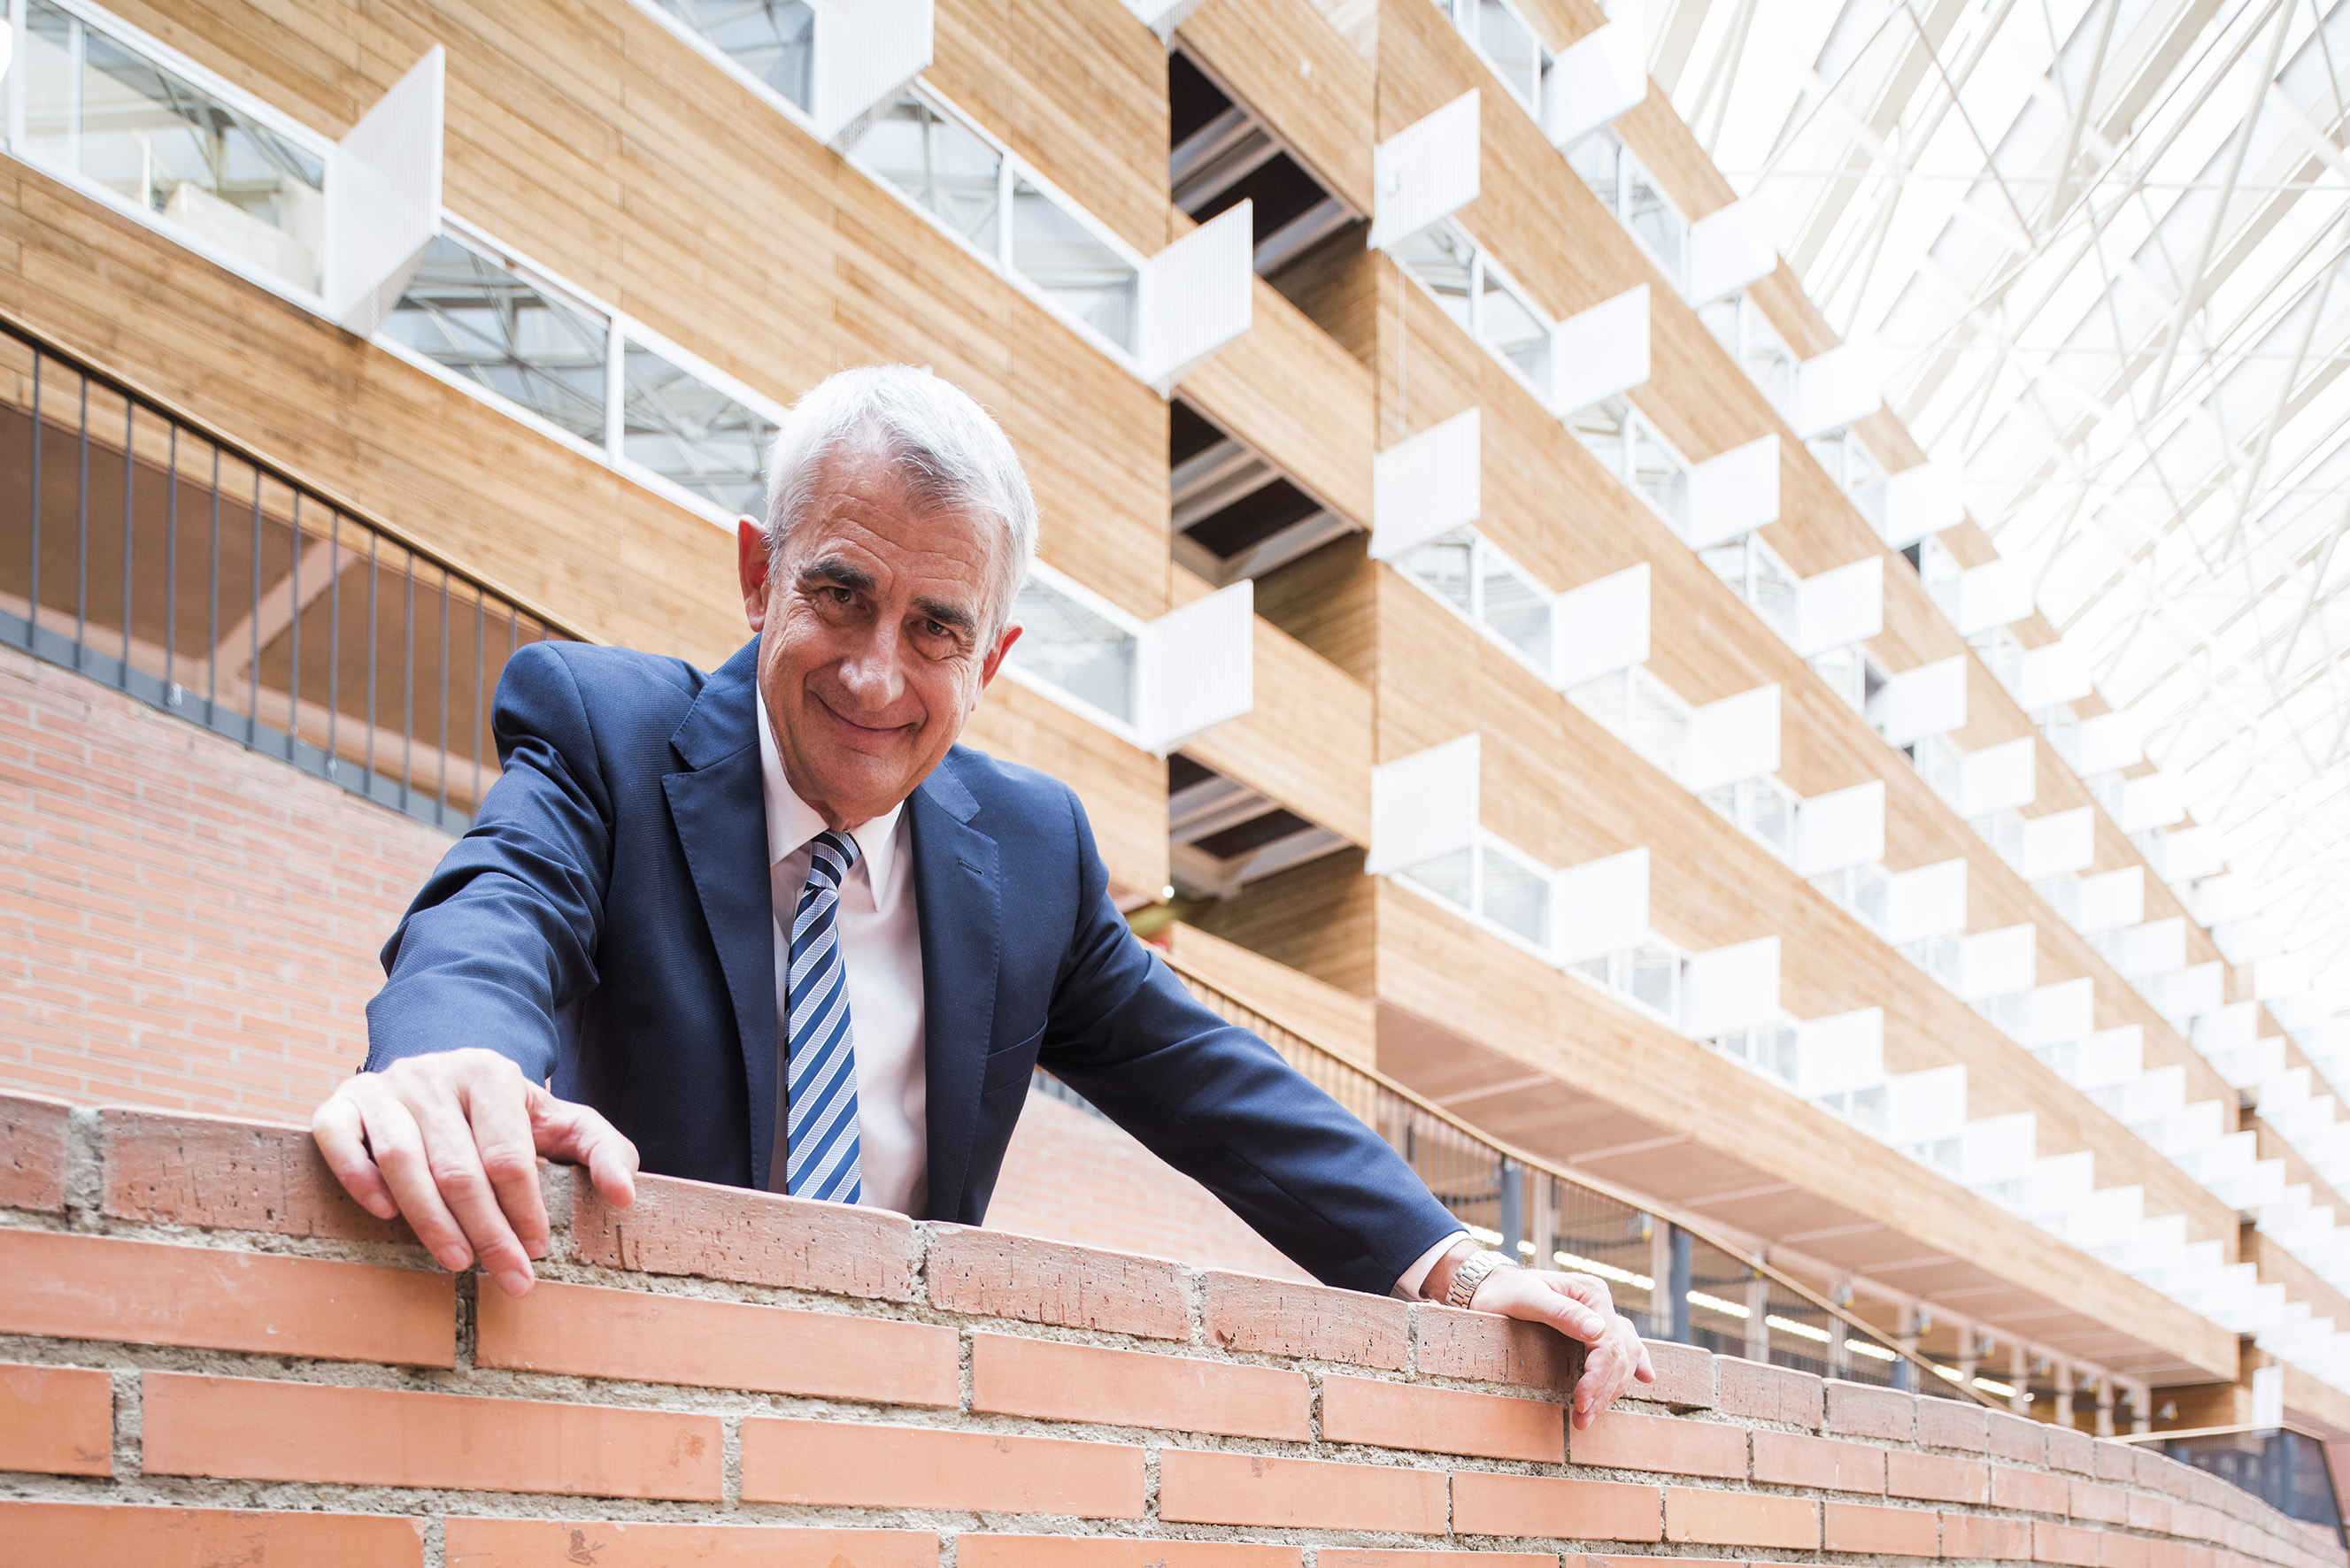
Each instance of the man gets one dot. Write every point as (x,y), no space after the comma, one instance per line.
(771,926)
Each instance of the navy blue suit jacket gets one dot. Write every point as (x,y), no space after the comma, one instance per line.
(607,925)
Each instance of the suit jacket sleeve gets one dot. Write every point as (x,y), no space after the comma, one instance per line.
(504,934)
(1218,1104)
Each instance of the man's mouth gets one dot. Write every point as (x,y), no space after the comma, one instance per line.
(856,731)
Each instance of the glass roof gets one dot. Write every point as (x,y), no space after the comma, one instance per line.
(2101,247)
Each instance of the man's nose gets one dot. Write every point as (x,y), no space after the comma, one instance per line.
(869,674)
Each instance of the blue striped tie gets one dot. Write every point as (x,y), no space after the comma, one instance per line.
(822,1084)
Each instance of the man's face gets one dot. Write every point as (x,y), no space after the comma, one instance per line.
(871,629)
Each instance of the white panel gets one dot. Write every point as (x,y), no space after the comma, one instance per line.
(1924,1107)
(1423,805)
(1601,75)
(1930,699)
(2113,1056)
(1998,963)
(1425,173)
(1734,493)
(2111,901)
(383,198)
(2280,977)
(2229,896)
(1920,500)
(2157,946)
(1931,901)
(1999,1149)
(2194,991)
(1599,907)
(2055,673)
(2187,853)
(865,53)
(1836,387)
(2106,741)
(1843,828)
(1161,16)
(2061,841)
(1599,352)
(2248,941)
(1998,778)
(2224,1029)
(1993,593)
(1840,607)
(1729,249)
(1600,627)
(1198,665)
(1846,1051)
(1736,738)
(2152,801)
(2057,1014)
(1197,296)
(1731,988)
(2268,1396)
(1425,485)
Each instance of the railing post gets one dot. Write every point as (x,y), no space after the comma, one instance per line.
(1679,1285)
(1513,1179)
(1904,1371)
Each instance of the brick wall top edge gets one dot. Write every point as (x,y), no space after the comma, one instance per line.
(229,1174)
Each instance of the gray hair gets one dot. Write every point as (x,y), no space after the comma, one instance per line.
(946,449)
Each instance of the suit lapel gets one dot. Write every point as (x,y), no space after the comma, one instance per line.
(719,806)
(959,910)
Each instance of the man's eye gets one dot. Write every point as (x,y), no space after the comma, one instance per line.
(934,628)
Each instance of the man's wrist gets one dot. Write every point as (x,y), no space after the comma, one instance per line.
(1439,1282)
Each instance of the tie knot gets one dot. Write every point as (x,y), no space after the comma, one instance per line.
(830,855)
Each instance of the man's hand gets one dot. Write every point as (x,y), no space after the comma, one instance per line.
(451,1140)
(1579,1307)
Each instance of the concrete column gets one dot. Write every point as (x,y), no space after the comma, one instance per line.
(1542,1224)
(1758,1310)
(2105,1406)
(1970,1344)
(2018,1377)
(1513,1181)
(1839,1358)
(1660,1272)
(1904,1372)
(2064,1392)
(2141,1403)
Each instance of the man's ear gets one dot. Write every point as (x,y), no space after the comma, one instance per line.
(751,566)
(995,662)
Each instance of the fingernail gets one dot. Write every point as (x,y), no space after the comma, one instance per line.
(515,1281)
(454,1258)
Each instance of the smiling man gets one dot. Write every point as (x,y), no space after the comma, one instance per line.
(770,926)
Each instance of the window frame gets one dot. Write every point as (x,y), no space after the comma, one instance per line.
(1010,170)
(1060,582)
(1748,323)
(1480,549)
(1466,25)
(1623,994)
(1635,425)
(710,51)
(1676,275)
(1479,262)
(1474,911)
(212,82)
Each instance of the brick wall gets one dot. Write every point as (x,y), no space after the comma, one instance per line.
(212,1356)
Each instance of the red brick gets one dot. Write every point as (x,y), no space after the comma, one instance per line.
(679,1227)
(1997,1540)
(974,1550)
(2034,1492)
(1442,1420)
(176,1167)
(250,1429)
(2113,1461)
(1383,1557)
(1495,1349)
(33,1135)
(1937,1478)
(992,1273)
(2149,1468)
(2119,1551)
(58,1420)
(1948,1423)
(61,1285)
(1311,1323)
(1196,1486)
(2102,1504)
(1860,1410)
(1766,1393)
(1685,1375)
(1061,1382)
(589,1332)
(2017,1437)
(102,1535)
(2063,1544)
(1889,1532)
(1820,1464)
(1670,1445)
(612,1544)
(1741,1519)
(861,1464)
(2071,1450)
(1485,1503)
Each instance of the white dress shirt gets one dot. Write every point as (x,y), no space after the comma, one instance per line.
(881,945)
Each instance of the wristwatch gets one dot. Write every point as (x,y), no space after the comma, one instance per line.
(1472,1274)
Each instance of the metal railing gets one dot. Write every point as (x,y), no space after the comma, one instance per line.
(2282,1465)
(1676,1277)
(161,557)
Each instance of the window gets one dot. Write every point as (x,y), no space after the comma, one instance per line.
(1492,884)
(691,433)
(1937,762)
(1755,574)
(1491,590)
(240,183)
(1642,710)
(1648,974)
(1481,299)
(1850,673)
(773,40)
(1741,329)
(1076,648)
(1859,475)
(1628,447)
(1625,190)
(1508,43)
(1774,1050)
(973,188)
(483,316)
(1764,807)
(1864,891)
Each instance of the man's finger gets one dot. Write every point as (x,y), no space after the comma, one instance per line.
(578,1134)
(496,1106)
(456,1170)
(342,1142)
(1590,1290)
(398,1147)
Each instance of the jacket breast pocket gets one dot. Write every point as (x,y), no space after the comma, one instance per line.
(1011,1065)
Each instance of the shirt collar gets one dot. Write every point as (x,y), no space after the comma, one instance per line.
(792,821)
